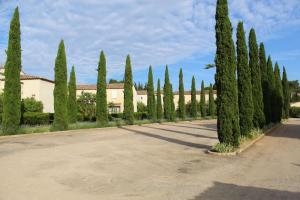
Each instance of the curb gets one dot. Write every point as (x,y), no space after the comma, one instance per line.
(247,146)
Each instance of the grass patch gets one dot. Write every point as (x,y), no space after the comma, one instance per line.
(223,148)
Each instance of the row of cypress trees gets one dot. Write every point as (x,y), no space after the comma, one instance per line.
(259,96)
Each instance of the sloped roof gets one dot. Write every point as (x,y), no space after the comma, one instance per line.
(141,92)
(94,86)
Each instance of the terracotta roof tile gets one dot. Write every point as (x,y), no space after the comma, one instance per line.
(94,86)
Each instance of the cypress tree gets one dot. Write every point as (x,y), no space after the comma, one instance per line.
(171,94)
(181,102)
(193,99)
(12,87)
(244,83)
(257,94)
(271,86)
(202,101)
(278,94)
(167,98)
(72,102)
(265,83)
(158,105)
(286,94)
(150,96)
(128,93)
(227,104)
(211,106)
(60,90)
(101,99)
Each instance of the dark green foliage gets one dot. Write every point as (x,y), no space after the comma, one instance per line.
(294,112)
(32,105)
(86,104)
(225,60)
(211,103)
(1,103)
(193,111)
(140,115)
(151,96)
(257,94)
(294,90)
(35,118)
(167,96)
(128,93)
(60,90)
(286,95)
(12,86)
(181,102)
(278,95)
(271,91)
(101,100)
(202,101)
(72,101)
(173,113)
(158,104)
(141,107)
(244,83)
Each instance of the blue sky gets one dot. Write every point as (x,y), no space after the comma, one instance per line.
(179,33)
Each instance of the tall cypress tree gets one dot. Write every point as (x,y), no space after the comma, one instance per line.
(278,96)
(60,90)
(181,102)
(101,100)
(271,87)
(202,101)
(159,104)
(211,106)
(193,99)
(227,104)
(257,94)
(150,96)
(72,102)
(167,98)
(12,87)
(265,82)
(128,93)
(171,94)
(286,95)
(244,83)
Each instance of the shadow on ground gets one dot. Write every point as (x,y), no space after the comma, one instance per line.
(293,132)
(192,127)
(227,191)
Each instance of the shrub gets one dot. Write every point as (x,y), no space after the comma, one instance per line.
(35,118)
(141,107)
(32,105)
(295,112)
(116,115)
(86,104)
(140,115)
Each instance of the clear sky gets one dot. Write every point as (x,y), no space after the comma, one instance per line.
(179,33)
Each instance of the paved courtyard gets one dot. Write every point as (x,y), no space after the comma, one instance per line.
(157,162)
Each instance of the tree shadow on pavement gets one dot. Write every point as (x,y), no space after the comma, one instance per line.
(191,127)
(227,191)
(171,140)
(287,131)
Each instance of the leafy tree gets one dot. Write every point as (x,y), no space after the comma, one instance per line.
(181,103)
(60,90)
(86,104)
(286,94)
(225,60)
(211,106)
(12,87)
(128,93)
(101,98)
(151,96)
(72,101)
(202,101)
(278,96)
(193,111)
(167,96)
(158,105)
(244,83)
(32,105)
(257,94)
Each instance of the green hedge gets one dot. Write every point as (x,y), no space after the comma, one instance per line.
(295,112)
(35,118)
(140,115)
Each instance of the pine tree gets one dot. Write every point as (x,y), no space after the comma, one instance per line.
(167,98)
(60,90)
(286,95)
(128,93)
(101,99)
(171,94)
(271,87)
(193,99)
(257,94)
(158,105)
(72,101)
(227,104)
(265,82)
(151,96)
(278,96)
(181,102)
(12,87)
(244,83)
(202,101)
(211,106)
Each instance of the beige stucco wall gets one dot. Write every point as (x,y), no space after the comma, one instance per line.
(142,98)
(296,104)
